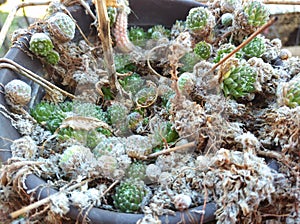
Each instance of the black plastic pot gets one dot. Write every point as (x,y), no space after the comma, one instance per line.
(145,13)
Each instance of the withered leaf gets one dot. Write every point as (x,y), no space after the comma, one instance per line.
(84,123)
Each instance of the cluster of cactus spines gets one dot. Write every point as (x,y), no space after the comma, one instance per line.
(256,12)
(40,44)
(137,36)
(132,83)
(228,6)
(239,82)
(134,120)
(200,21)
(129,195)
(291,92)
(89,110)
(255,48)
(227,19)
(117,113)
(136,170)
(146,96)
(17,93)
(157,32)
(224,50)
(62,27)
(49,114)
(203,50)
(52,57)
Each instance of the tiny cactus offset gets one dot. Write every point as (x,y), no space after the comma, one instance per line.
(40,44)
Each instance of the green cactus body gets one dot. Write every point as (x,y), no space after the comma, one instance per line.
(62,27)
(40,44)
(146,96)
(136,170)
(203,50)
(185,82)
(256,12)
(89,110)
(132,83)
(129,195)
(255,48)
(52,57)
(137,36)
(157,32)
(200,20)
(112,14)
(165,132)
(117,113)
(134,119)
(188,62)
(224,50)
(227,19)
(239,82)
(293,92)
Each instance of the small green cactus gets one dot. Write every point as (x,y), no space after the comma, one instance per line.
(132,83)
(112,14)
(137,36)
(257,13)
(227,19)
(40,44)
(200,20)
(230,5)
(292,97)
(224,50)
(239,82)
(89,110)
(134,119)
(157,32)
(186,82)
(136,170)
(255,48)
(188,62)
(165,132)
(62,27)
(17,93)
(203,50)
(52,57)
(117,113)
(129,195)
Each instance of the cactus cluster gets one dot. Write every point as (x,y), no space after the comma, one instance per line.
(255,48)
(224,50)
(132,83)
(200,21)
(203,50)
(256,12)
(136,170)
(41,44)
(137,36)
(239,82)
(129,195)
(17,93)
(291,93)
(157,32)
(62,27)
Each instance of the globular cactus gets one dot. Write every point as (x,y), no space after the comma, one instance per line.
(134,120)
(89,110)
(157,32)
(224,50)
(200,21)
(40,44)
(164,132)
(17,93)
(256,12)
(146,96)
(137,36)
(117,113)
(132,83)
(186,83)
(129,195)
(52,57)
(188,62)
(255,48)
(136,170)
(62,27)
(230,5)
(290,93)
(239,82)
(227,19)
(203,50)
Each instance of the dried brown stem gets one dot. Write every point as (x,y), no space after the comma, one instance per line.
(7,63)
(44,201)
(11,16)
(177,148)
(249,39)
(109,188)
(105,37)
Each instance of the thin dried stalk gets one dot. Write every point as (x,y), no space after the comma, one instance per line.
(105,37)
(44,201)
(11,16)
(7,63)
(177,148)
(248,40)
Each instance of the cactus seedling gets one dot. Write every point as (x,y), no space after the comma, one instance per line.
(255,48)
(52,57)
(239,82)
(40,44)
(17,93)
(203,50)
(256,12)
